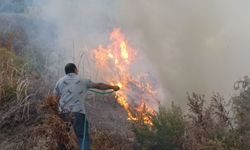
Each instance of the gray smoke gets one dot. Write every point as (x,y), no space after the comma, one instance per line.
(194,45)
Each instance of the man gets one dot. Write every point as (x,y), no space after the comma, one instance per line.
(71,90)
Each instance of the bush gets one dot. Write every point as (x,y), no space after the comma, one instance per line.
(208,125)
(241,109)
(167,131)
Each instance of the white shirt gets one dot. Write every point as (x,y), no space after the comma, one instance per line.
(72,90)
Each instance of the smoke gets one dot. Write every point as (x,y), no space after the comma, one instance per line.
(193,45)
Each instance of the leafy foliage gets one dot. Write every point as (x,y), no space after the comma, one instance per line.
(167,131)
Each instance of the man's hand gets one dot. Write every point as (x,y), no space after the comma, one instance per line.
(116,88)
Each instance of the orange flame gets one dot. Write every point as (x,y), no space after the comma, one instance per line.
(114,62)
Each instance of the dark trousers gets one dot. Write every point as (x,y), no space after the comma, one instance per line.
(81,128)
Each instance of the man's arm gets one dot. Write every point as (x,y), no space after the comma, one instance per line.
(103,86)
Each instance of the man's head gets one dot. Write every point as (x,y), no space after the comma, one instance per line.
(70,68)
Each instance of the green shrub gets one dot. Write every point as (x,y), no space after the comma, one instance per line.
(167,131)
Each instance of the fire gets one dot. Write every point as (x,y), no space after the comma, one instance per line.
(119,84)
(114,61)
(124,52)
(110,55)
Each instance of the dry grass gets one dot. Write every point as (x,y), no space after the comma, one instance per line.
(13,84)
(103,140)
(26,123)
(52,129)
(43,130)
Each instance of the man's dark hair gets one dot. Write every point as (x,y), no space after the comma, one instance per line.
(70,68)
